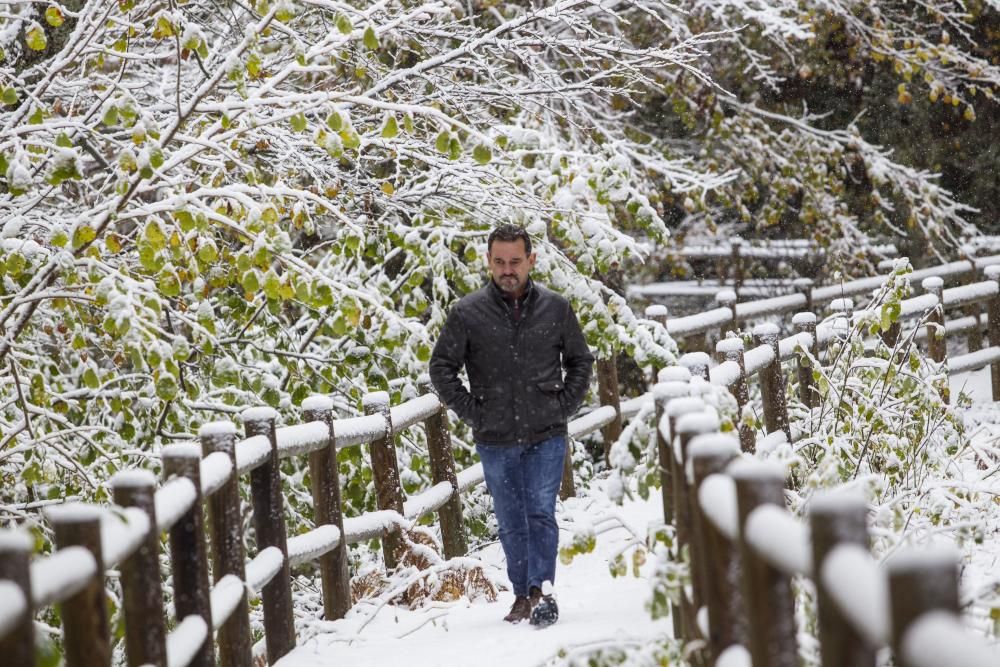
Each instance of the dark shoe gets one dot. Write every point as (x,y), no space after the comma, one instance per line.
(520,611)
(544,610)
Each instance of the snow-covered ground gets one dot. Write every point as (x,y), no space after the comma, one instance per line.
(595,608)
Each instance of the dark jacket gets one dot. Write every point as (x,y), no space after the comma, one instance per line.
(518,393)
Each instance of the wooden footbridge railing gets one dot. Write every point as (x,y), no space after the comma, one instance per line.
(204,479)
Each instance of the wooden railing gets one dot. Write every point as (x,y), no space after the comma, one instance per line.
(206,477)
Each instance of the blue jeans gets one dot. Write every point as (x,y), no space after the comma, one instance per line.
(524,482)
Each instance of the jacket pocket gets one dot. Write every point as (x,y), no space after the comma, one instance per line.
(494,418)
(552,408)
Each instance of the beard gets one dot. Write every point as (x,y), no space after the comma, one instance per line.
(509,283)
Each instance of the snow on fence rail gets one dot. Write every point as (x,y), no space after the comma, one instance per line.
(205,477)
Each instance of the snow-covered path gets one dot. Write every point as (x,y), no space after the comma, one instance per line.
(594,607)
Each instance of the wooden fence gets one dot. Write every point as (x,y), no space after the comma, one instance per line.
(206,478)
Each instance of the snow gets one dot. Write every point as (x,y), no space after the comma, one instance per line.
(924,557)
(317,402)
(631,407)
(748,468)
(730,345)
(357,430)
(673,374)
(838,500)
(428,501)
(860,590)
(932,283)
(226,595)
(717,497)
(713,444)
(726,297)
(172,500)
(59,576)
(309,546)
(842,305)
(372,524)
(918,305)
(73,513)
(968,293)
(215,471)
(938,639)
(12,606)
(592,421)
(725,374)
(470,477)
(258,414)
(186,450)
(122,534)
(263,567)
(699,322)
(137,478)
(803,318)
(695,360)
(252,453)
(734,656)
(212,429)
(757,358)
(16,539)
(992,271)
(415,410)
(664,391)
(697,422)
(974,360)
(185,640)
(302,438)
(595,609)
(771,441)
(375,400)
(788,346)
(683,405)
(656,310)
(766,330)
(749,310)
(780,539)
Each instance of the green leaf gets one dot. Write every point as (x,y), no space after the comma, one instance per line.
(64,140)
(442,141)
(343,23)
(156,157)
(254,65)
(370,39)
(169,285)
(207,252)
(390,128)
(166,387)
(272,285)
(54,17)
(9,96)
(482,154)
(110,116)
(454,148)
(334,121)
(90,379)
(298,122)
(82,235)
(35,38)
(250,281)
(154,235)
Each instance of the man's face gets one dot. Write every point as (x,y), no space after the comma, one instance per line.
(510,265)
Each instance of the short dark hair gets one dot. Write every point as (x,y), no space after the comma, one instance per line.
(509,232)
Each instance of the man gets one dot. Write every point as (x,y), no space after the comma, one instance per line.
(515,339)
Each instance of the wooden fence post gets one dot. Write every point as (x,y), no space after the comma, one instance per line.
(697,363)
(145,631)
(727,299)
(607,392)
(975,337)
(710,454)
(188,552)
(767,592)
(805,322)
(804,286)
(269,524)
(228,552)
(86,639)
(328,510)
(837,518)
(689,426)
(773,382)
(18,646)
(385,472)
(732,349)
(993,327)
(920,581)
(443,470)
(663,393)
(736,243)
(936,342)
